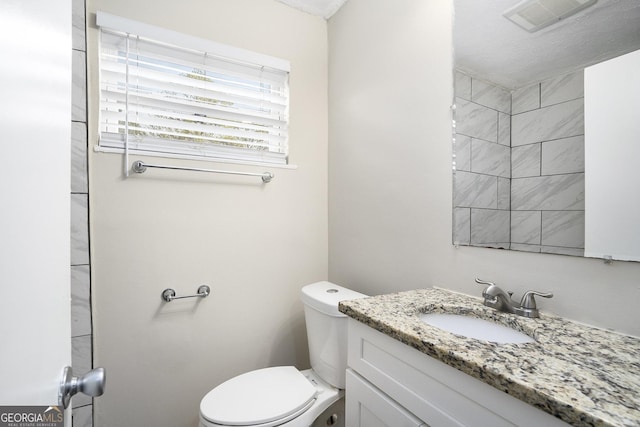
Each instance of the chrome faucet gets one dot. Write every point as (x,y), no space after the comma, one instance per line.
(500,300)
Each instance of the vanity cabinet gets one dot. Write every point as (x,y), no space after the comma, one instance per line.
(391,384)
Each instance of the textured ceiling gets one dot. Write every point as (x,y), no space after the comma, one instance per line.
(490,47)
(324,8)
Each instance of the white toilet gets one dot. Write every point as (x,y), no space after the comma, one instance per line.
(283,395)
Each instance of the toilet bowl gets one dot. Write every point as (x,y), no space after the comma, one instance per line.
(283,395)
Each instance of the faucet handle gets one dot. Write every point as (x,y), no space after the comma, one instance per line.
(528,300)
(484,282)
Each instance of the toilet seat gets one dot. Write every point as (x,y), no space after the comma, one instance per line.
(266,397)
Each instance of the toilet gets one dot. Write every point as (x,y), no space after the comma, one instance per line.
(283,395)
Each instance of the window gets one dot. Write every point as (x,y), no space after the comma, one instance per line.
(170,94)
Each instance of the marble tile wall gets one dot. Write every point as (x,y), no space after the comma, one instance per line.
(81,329)
(519,156)
(547,166)
(483,163)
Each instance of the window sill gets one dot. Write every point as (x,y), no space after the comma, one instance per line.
(100,149)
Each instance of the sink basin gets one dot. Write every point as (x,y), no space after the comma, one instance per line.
(472,327)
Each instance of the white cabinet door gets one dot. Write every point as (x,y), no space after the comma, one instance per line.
(35,112)
(367,406)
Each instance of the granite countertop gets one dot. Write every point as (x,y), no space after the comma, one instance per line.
(583,375)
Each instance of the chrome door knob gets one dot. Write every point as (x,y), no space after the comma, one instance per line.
(92,384)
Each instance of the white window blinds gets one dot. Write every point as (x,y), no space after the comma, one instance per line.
(168,95)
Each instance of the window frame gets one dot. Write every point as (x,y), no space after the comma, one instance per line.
(122,143)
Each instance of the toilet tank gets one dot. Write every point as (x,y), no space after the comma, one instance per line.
(327,329)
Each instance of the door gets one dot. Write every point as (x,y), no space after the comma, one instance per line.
(35,117)
(366,406)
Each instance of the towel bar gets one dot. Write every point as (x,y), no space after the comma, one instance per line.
(170,294)
(140,167)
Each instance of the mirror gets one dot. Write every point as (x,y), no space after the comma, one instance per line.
(519,144)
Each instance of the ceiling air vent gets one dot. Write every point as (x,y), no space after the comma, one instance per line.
(533,15)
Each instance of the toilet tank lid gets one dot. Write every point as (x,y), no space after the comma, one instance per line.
(325,296)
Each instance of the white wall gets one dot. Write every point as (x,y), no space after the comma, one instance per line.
(254,244)
(390,178)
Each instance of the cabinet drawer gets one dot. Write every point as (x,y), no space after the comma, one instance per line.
(367,406)
(435,392)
